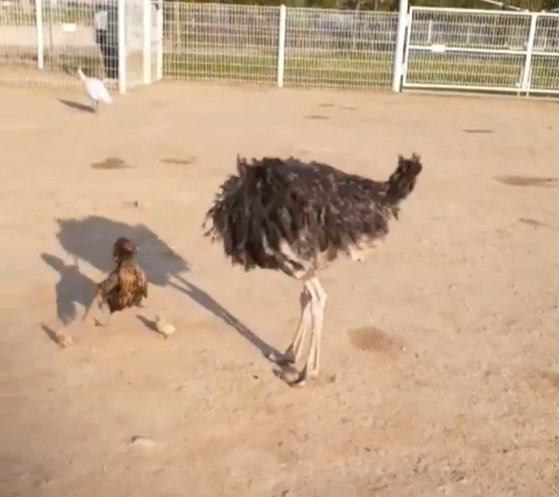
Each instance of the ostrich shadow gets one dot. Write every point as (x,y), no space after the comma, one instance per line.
(91,239)
(209,303)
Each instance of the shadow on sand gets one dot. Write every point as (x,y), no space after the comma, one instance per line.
(72,287)
(91,238)
(76,105)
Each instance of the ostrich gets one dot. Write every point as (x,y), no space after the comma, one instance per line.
(297,217)
(95,89)
(126,285)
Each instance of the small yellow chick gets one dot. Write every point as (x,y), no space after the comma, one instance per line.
(165,328)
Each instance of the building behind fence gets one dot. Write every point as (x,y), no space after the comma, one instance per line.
(43,42)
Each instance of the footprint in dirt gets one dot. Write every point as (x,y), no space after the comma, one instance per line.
(111,163)
(180,162)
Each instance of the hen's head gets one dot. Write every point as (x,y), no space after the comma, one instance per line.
(123,249)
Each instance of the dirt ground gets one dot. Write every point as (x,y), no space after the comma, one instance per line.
(440,353)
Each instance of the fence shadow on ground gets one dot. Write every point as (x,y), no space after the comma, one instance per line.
(91,239)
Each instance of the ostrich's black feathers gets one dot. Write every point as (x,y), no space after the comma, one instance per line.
(284,214)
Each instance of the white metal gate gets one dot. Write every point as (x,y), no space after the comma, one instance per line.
(134,42)
(544,63)
(143,36)
(482,50)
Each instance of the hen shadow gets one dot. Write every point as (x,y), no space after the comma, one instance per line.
(72,287)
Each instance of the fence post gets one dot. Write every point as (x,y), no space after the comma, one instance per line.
(146,37)
(176,21)
(525,86)
(159,73)
(399,50)
(281,44)
(40,35)
(121,46)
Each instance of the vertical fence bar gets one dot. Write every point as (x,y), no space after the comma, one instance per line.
(529,50)
(39,33)
(121,46)
(281,44)
(146,38)
(159,73)
(407,48)
(399,50)
(176,25)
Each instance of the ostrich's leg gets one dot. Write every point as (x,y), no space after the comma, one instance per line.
(318,319)
(318,304)
(293,352)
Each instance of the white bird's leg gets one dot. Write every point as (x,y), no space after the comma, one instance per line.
(318,304)
(293,352)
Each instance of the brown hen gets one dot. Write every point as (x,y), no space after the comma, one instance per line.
(126,285)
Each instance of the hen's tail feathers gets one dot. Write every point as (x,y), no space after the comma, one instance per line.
(402,181)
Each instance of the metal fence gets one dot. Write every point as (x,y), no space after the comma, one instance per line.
(340,49)
(312,47)
(41,44)
(132,42)
(45,41)
(222,43)
(482,50)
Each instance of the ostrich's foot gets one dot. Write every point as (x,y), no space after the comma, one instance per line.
(298,378)
(285,359)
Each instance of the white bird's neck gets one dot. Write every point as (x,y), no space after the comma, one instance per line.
(82,75)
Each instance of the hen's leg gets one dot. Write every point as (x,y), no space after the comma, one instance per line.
(293,352)
(318,304)
(105,321)
(93,300)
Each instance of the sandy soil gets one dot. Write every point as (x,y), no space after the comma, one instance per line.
(440,370)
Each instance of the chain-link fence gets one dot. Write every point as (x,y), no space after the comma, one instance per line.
(132,42)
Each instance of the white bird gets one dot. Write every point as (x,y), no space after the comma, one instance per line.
(95,89)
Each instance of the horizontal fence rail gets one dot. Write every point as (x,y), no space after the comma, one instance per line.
(134,42)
